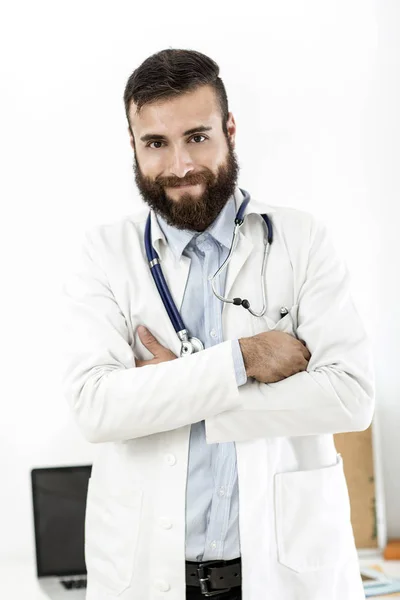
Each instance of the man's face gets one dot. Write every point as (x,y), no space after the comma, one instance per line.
(169,158)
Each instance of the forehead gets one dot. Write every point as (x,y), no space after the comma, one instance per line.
(192,108)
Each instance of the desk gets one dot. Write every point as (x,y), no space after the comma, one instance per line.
(391,568)
(18,577)
(19,581)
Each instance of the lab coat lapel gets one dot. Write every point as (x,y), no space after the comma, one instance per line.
(245,245)
(243,249)
(175,272)
(240,255)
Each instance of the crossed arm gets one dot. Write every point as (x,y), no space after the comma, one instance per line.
(112,399)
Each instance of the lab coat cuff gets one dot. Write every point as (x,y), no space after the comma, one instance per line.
(240,370)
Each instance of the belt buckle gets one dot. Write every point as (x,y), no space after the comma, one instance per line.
(204,581)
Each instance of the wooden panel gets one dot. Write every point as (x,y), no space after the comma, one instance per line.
(357,453)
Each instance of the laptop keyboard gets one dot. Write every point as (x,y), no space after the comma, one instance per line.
(73,584)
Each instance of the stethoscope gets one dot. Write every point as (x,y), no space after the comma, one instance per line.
(189,345)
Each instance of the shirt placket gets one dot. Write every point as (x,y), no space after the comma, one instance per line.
(223,467)
(213,310)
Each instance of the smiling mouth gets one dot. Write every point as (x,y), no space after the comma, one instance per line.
(184,185)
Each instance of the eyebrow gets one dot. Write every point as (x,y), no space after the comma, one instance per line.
(156,136)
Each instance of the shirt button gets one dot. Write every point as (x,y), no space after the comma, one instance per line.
(162,586)
(221,491)
(213,333)
(170,459)
(165,523)
(213,545)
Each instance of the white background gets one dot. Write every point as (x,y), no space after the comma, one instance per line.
(313,87)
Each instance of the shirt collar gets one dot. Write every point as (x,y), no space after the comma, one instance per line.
(221,229)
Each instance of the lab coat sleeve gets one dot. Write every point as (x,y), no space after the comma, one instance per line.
(113,400)
(336,393)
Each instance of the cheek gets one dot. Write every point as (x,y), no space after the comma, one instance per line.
(220,156)
(209,158)
(150,167)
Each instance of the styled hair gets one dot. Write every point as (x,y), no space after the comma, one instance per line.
(170,73)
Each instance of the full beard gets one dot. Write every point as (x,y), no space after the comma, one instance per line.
(195,212)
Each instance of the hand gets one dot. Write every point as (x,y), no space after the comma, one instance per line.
(271,356)
(161,354)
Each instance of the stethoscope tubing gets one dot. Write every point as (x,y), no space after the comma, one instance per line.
(161,284)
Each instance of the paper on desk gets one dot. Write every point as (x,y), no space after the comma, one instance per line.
(388,589)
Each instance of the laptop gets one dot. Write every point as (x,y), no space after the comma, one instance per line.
(59,506)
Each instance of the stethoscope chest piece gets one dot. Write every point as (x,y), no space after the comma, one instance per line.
(191,346)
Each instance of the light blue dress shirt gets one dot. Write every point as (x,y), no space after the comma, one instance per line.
(212,496)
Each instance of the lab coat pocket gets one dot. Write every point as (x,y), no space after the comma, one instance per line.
(312,516)
(111,535)
(286,324)
(271,322)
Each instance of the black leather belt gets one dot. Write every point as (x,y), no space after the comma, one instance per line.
(214,576)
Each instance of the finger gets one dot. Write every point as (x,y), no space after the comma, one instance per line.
(305,351)
(148,339)
(143,363)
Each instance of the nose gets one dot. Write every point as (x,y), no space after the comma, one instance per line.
(181,164)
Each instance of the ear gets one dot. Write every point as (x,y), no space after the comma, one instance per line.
(132,143)
(231,127)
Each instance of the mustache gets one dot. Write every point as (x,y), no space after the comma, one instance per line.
(193,180)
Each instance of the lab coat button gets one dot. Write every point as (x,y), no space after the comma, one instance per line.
(162,585)
(165,523)
(170,459)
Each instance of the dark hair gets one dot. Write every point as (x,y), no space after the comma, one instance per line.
(173,72)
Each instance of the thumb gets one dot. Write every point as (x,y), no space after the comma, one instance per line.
(148,339)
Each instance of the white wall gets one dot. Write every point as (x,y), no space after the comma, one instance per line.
(313,87)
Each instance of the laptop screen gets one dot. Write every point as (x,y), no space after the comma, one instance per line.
(59,504)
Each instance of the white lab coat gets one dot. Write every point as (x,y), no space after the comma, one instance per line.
(296,536)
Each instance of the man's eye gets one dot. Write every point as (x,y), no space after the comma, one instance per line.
(150,143)
(159,142)
(199,135)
